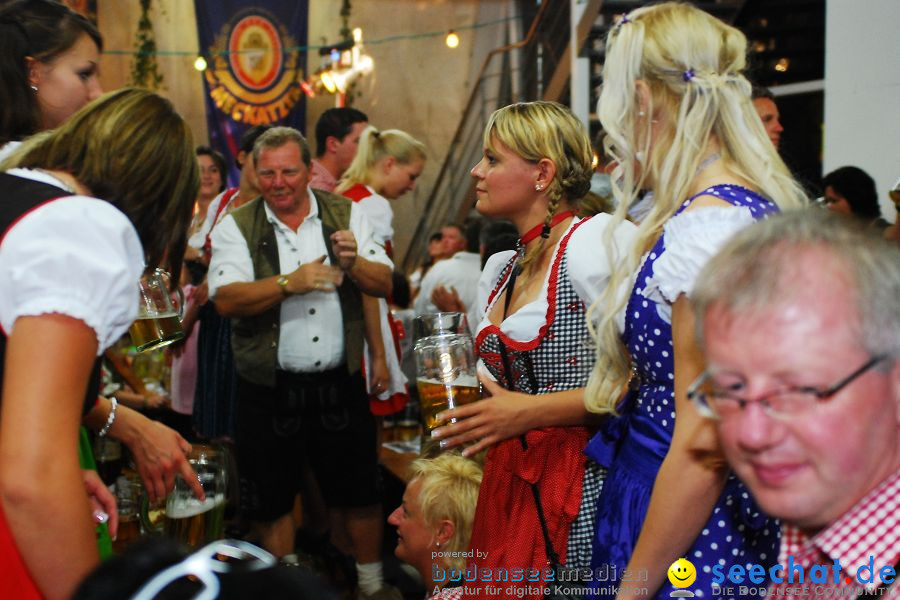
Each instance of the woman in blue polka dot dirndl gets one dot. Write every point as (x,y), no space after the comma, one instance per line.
(679,121)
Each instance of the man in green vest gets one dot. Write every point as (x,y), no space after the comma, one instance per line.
(289,268)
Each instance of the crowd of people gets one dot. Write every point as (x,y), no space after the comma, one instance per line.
(708,374)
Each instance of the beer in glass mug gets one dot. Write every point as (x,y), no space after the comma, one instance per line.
(188,519)
(445,365)
(196,523)
(158,323)
(435,396)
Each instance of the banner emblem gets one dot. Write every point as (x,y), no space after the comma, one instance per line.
(254,80)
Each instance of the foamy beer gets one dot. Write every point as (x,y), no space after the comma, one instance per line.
(190,520)
(435,397)
(445,366)
(158,323)
(196,523)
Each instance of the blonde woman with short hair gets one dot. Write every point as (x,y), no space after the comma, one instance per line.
(434,521)
(534,345)
(679,120)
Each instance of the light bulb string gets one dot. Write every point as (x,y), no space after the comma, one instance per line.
(302,49)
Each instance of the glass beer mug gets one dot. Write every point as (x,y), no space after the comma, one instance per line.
(445,364)
(158,323)
(188,519)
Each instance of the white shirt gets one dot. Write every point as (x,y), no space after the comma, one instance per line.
(692,239)
(380,214)
(311,337)
(199,237)
(8,148)
(589,269)
(461,272)
(77,256)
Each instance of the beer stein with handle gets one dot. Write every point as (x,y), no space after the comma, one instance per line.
(188,519)
(159,322)
(445,364)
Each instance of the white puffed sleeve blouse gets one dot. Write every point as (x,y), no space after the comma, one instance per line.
(77,256)
(588,270)
(691,238)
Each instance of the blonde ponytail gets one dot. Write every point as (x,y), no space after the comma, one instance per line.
(375,145)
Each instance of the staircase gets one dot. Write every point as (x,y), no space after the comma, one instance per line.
(536,67)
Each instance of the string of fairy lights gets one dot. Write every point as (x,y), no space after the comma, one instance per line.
(341,64)
(451,38)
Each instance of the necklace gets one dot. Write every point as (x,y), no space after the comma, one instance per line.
(707,161)
(543,229)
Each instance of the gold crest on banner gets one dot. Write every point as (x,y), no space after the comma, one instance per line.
(255,77)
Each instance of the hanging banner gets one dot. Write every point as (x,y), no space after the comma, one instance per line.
(254,67)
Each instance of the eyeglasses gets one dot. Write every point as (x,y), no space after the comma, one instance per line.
(222,556)
(718,402)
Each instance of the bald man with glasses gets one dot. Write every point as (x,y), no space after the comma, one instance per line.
(799,318)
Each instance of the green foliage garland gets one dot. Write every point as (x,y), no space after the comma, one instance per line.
(144,69)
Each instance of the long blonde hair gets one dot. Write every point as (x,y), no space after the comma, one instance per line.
(693,65)
(375,145)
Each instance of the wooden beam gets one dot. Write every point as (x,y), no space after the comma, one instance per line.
(563,68)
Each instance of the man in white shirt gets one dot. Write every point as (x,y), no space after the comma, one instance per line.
(457,275)
(288,268)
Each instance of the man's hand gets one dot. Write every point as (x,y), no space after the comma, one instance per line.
(344,245)
(314,276)
(201,294)
(447,300)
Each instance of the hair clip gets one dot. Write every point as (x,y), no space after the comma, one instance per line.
(688,75)
(622,21)
(545,231)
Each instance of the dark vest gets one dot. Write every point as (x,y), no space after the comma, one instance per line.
(21,196)
(255,338)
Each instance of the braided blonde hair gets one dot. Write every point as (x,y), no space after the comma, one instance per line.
(538,130)
(692,64)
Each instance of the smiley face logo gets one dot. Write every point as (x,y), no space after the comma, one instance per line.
(682,573)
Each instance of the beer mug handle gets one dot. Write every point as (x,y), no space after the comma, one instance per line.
(179,302)
(144,514)
(176,295)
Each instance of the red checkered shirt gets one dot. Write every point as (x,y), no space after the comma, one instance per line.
(454,593)
(870,529)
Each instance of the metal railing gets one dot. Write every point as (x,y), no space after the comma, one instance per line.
(516,72)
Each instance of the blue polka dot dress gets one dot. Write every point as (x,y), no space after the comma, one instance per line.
(634,445)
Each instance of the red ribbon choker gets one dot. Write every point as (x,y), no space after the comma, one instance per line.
(543,229)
